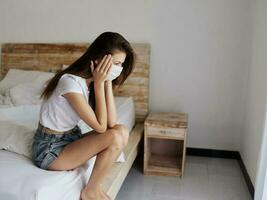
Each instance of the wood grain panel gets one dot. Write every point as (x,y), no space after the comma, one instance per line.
(51,56)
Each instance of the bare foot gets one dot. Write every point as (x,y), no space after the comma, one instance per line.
(91,195)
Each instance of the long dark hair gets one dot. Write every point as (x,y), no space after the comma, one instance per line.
(105,43)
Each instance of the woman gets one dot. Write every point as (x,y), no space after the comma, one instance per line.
(84,91)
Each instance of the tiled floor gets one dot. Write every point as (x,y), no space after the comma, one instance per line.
(204,179)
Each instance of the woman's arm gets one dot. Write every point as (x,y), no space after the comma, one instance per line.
(98,119)
(100,107)
(111,108)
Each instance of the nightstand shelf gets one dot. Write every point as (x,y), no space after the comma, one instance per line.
(165,165)
(165,143)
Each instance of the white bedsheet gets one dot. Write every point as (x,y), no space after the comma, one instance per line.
(22,180)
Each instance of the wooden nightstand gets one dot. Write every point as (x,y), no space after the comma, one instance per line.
(165,143)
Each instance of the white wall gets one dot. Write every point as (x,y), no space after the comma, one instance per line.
(199,51)
(257,87)
(261,179)
(264,196)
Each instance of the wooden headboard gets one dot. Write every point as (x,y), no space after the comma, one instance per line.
(51,56)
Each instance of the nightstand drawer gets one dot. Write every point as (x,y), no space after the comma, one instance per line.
(178,133)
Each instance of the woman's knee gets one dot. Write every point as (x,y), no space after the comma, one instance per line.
(123,131)
(116,139)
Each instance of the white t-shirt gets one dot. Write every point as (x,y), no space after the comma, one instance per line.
(56,113)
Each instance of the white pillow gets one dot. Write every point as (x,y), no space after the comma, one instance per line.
(18,76)
(25,93)
(5,99)
(16,138)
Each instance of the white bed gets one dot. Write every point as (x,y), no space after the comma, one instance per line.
(21,180)
(37,184)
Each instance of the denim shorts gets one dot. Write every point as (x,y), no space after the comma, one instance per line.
(46,147)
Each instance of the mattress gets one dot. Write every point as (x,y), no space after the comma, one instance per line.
(21,179)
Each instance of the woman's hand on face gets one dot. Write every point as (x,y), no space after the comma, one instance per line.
(102,69)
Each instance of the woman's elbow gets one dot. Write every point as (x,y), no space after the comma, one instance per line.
(111,125)
(102,130)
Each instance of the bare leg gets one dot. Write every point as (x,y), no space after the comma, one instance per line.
(104,162)
(107,146)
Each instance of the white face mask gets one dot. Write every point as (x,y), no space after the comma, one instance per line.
(114,72)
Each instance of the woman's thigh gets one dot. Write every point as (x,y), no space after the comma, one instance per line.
(78,152)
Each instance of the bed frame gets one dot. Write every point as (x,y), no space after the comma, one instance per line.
(50,57)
